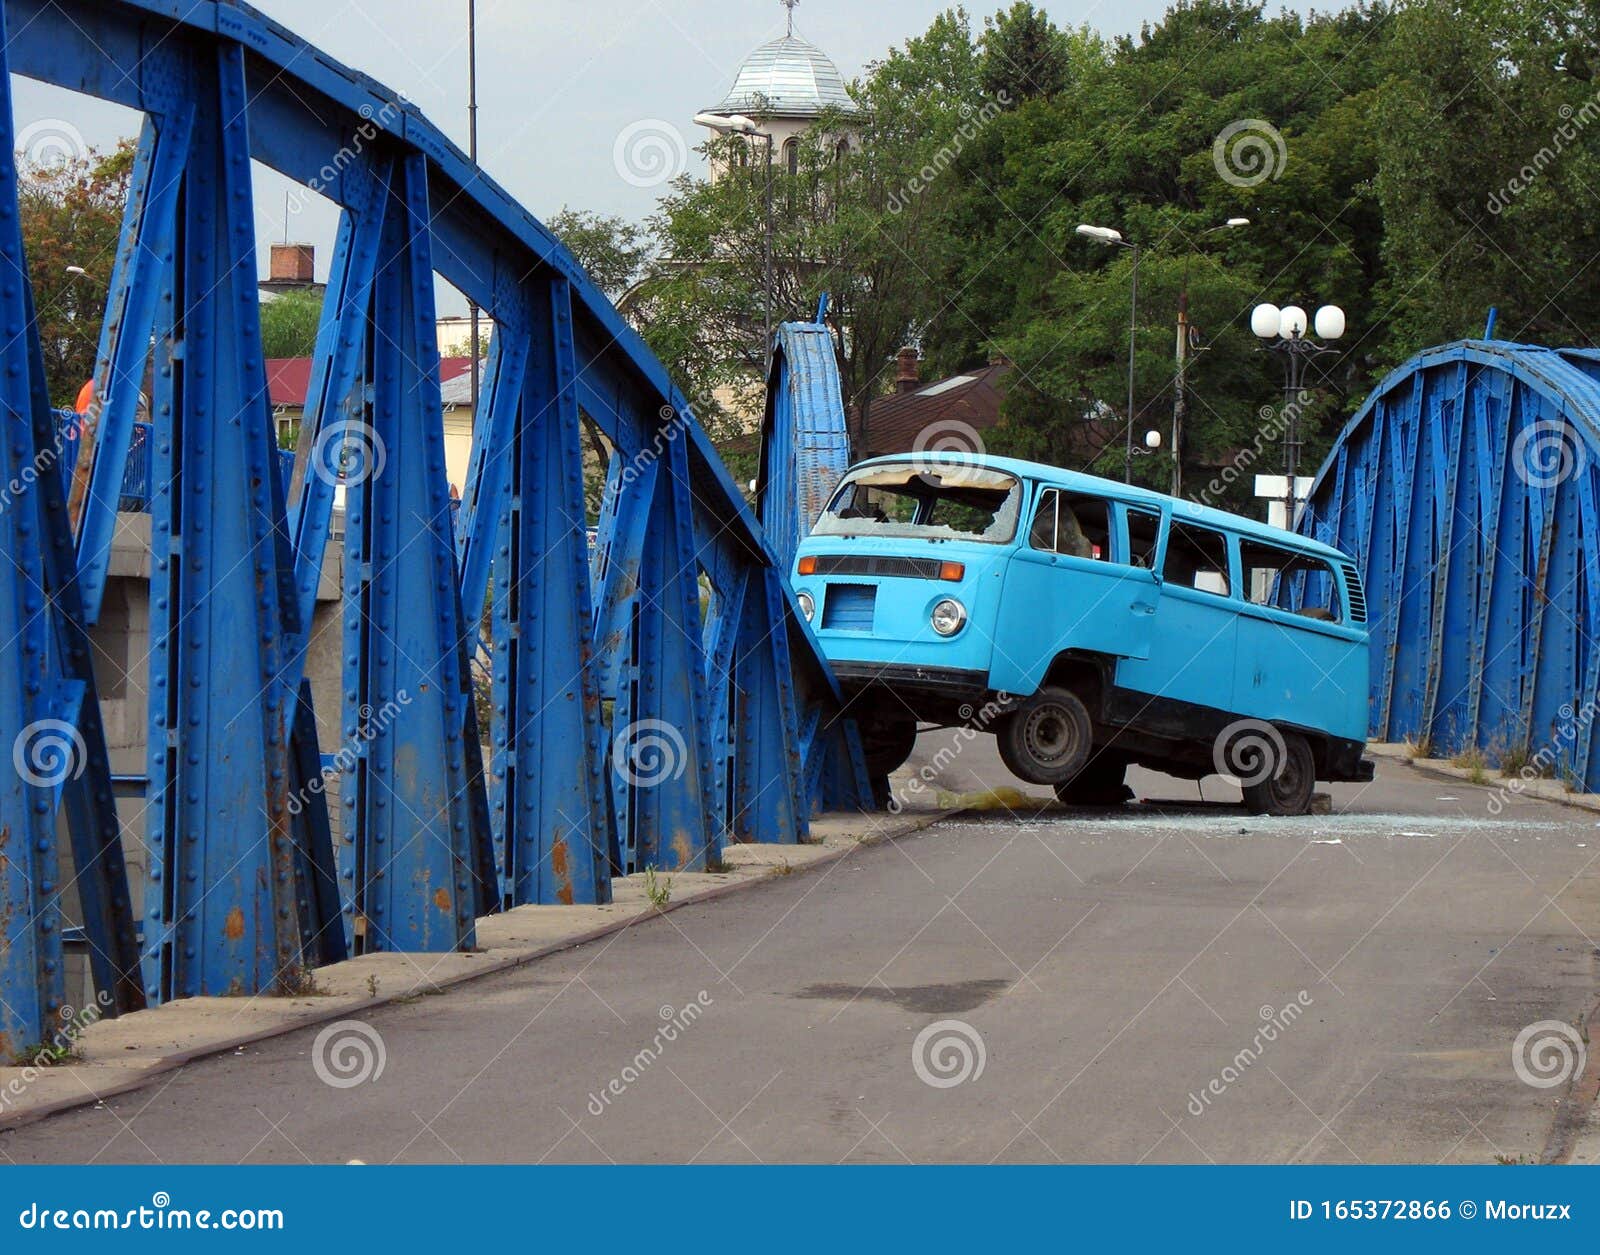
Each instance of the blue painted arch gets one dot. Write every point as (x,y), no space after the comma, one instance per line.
(1466,487)
(678,634)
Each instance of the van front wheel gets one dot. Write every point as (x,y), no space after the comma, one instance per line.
(887,743)
(1288,790)
(1048,738)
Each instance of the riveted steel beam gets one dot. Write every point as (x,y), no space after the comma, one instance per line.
(1466,487)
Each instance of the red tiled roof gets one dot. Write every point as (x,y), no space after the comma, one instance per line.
(894,423)
(288,378)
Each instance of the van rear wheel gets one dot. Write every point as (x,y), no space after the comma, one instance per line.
(1288,790)
(1048,738)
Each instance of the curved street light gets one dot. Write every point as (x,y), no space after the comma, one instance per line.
(739,124)
(1107,235)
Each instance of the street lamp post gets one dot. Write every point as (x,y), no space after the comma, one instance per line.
(1180,390)
(738,124)
(1107,235)
(1283,331)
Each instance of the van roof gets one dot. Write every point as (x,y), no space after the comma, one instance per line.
(1077,481)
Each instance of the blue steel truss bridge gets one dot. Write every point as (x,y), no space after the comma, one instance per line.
(645,702)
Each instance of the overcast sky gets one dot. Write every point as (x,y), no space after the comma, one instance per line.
(561,81)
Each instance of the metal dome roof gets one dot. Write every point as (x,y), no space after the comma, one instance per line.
(786,78)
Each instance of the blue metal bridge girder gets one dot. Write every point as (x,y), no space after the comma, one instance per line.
(245,890)
(412,826)
(221,895)
(556,843)
(1469,478)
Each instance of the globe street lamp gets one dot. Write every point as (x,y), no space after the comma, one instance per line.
(1107,235)
(1283,331)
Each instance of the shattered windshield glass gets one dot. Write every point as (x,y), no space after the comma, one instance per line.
(926,501)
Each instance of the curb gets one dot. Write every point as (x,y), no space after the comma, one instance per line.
(1537,789)
(164,1064)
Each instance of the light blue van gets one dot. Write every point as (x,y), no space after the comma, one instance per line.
(1088,625)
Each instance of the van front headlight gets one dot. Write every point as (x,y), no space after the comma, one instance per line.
(948,617)
(807,606)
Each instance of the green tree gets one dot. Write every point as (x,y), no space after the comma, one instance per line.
(856,220)
(1133,144)
(71,217)
(289,323)
(1489,134)
(1024,55)
(613,250)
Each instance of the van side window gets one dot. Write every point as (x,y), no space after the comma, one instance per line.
(1289,581)
(1144,532)
(1197,557)
(1071,524)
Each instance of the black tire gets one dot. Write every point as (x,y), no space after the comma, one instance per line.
(886,744)
(1048,738)
(1102,782)
(1288,790)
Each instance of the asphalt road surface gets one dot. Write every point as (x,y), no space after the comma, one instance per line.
(1172,982)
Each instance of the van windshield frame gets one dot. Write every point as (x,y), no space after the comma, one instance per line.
(925,501)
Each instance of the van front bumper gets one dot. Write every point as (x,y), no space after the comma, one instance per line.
(949,683)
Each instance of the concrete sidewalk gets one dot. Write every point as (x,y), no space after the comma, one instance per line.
(116,1056)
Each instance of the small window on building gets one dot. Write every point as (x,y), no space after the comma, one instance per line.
(1197,557)
(1289,581)
(791,155)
